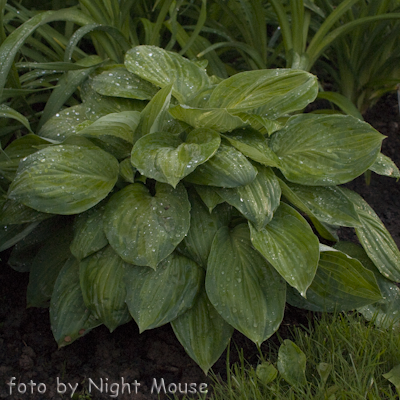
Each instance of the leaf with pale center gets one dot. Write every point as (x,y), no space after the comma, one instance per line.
(156,297)
(258,200)
(167,158)
(290,245)
(325,150)
(144,229)
(242,286)
(103,287)
(64,179)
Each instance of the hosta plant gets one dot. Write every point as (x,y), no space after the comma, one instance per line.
(172,196)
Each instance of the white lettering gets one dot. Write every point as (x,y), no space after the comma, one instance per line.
(41,388)
(61,387)
(73,388)
(100,389)
(158,388)
(11,383)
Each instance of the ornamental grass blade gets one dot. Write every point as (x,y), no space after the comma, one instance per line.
(8,112)
(258,200)
(64,179)
(227,168)
(144,229)
(290,245)
(376,239)
(270,93)
(69,317)
(89,235)
(243,287)
(162,68)
(384,313)
(156,297)
(119,82)
(253,145)
(325,150)
(203,333)
(46,266)
(292,363)
(340,284)
(167,158)
(102,279)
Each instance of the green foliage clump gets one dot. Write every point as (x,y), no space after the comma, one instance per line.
(172,196)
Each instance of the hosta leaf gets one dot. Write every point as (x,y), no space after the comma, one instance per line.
(155,116)
(8,112)
(327,203)
(383,165)
(162,67)
(253,145)
(290,245)
(203,227)
(156,297)
(127,171)
(393,376)
(114,133)
(261,124)
(119,82)
(64,179)
(247,292)
(266,373)
(325,150)
(144,229)
(258,200)
(14,212)
(167,158)
(209,196)
(327,231)
(385,312)
(218,119)
(69,317)
(103,287)
(18,150)
(269,93)
(12,234)
(46,266)
(227,168)
(89,235)
(375,238)
(202,332)
(292,363)
(65,123)
(340,284)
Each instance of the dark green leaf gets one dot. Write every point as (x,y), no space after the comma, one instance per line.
(292,363)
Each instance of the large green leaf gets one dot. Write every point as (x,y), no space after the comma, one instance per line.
(327,203)
(69,317)
(290,245)
(64,179)
(325,149)
(203,227)
(156,297)
(14,212)
(162,68)
(167,158)
(219,119)
(46,266)
(292,363)
(144,229)
(270,93)
(253,145)
(375,238)
(119,82)
(18,150)
(243,287)
(89,235)
(103,287)
(209,196)
(202,332)
(258,200)
(227,168)
(114,133)
(340,284)
(385,312)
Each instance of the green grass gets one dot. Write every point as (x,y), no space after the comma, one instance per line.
(355,351)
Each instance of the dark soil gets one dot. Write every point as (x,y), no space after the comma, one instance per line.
(28,352)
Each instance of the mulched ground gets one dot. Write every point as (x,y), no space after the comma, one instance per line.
(29,353)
